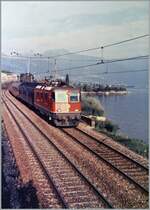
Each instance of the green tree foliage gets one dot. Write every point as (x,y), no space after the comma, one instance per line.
(135,145)
(92,106)
(108,126)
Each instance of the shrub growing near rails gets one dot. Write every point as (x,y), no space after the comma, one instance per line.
(135,145)
(108,126)
(111,127)
(92,106)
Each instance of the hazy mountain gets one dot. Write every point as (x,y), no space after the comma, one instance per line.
(55,52)
(66,64)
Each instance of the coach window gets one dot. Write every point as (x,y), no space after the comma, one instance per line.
(53,96)
(31,94)
(41,96)
(37,96)
(46,96)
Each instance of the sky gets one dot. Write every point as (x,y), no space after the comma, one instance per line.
(41,26)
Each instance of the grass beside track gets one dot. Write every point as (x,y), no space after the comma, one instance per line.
(135,145)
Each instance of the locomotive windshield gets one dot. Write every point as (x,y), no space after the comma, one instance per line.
(61,96)
(74,97)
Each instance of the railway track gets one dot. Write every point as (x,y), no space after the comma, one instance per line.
(133,171)
(70,187)
(115,188)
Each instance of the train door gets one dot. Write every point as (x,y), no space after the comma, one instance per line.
(46,99)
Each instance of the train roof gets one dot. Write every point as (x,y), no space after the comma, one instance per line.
(48,87)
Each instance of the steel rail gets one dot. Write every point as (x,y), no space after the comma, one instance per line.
(107,162)
(42,165)
(113,149)
(95,190)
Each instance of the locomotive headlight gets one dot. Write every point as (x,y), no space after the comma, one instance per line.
(58,110)
(76,110)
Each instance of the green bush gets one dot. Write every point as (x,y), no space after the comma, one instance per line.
(92,106)
(107,126)
(135,145)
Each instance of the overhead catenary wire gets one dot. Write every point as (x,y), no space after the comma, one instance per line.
(105,62)
(78,60)
(52,57)
(127,40)
(102,61)
(118,72)
(99,63)
(124,71)
(25,57)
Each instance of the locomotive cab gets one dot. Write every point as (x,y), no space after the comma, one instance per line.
(67,107)
(60,104)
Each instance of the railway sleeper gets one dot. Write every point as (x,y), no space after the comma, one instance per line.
(115,158)
(82,199)
(128,163)
(75,193)
(103,150)
(61,179)
(73,188)
(65,176)
(130,171)
(61,172)
(123,163)
(136,173)
(78,191)
(130,167)
(57,174)
(54,167)
(69,188)
(86,205)
(108,154)
(67,183)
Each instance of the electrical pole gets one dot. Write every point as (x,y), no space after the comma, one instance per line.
(28,65)
(48,67)
(55,70)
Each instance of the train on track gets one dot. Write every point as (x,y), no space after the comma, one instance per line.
(57,100)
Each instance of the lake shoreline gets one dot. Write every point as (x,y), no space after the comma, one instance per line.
(105,93)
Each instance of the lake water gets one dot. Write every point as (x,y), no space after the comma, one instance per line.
(130,112)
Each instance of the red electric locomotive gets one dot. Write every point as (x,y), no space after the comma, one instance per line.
(57,100)
(60,103)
